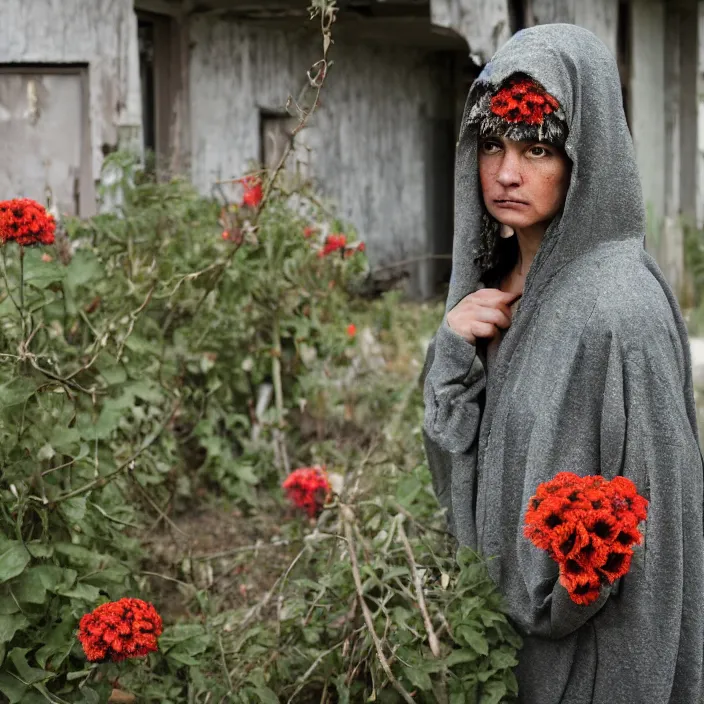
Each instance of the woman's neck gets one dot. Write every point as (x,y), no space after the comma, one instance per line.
(529,241)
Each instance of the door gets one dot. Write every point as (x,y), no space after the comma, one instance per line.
(45,138)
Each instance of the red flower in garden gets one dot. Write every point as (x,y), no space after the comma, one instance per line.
(118,630)
(308,488)
(253,191)
(333,243)
(588,525)
(351,330)
(523,101)
(26,222)
(309,231)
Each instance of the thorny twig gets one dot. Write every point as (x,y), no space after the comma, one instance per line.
(432,637)
(349,520)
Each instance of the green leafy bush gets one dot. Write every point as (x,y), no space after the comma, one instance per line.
(136,355)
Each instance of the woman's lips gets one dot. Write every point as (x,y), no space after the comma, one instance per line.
(511,204)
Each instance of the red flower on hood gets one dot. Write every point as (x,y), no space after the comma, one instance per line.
(118,630)
(523,100)
(26,222)
(308,488)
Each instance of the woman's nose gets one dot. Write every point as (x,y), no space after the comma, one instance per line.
(509,173)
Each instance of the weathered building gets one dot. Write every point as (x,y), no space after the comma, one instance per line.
(203,83)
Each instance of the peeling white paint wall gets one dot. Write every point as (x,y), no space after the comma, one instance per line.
(99,33)
(483,23)
(599,16)
(369,136)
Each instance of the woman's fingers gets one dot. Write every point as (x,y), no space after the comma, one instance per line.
(497,316)
(482,313)
(483,329)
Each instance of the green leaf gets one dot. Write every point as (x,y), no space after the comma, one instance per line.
(266,695)
(11,687)
(64,439)
(17,391)
(57,643)
(40,550)
(343,691)
(54,577)
(460,657)
(111,370)
(29,674)
(41,274)
(90,696)
(29,588)
(9,625)
(74,509)
(84,267)
(13,559)
(46,452)
(502,659)
(473,638)
(418,678)
(86,592)
(493,693)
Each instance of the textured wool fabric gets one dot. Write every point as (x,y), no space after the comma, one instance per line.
(592,377)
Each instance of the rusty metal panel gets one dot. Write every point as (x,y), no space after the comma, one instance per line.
(41,124)
(100,34)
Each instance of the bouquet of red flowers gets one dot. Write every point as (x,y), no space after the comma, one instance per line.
(588,525)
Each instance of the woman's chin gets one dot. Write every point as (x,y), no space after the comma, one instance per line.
(513,218)
(517,223)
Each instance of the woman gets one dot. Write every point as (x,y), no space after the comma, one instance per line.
(588,371)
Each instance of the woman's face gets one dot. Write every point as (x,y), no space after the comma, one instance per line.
(523,183)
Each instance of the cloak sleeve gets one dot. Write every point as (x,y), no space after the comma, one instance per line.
(453,380)
(648,434)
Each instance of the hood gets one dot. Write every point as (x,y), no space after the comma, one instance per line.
(605,201)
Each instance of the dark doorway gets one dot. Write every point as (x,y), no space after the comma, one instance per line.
(623,53)
(158,68)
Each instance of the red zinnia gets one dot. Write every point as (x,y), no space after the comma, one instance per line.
(333,243)
(351,330)
(26,222)
(253,191)
(309,231)
(523,101)
(308,488)
(588,526)
(118,630)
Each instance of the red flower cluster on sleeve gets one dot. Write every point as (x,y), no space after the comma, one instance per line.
(523,101)
(588,525)
(333,243)
(253,191)
(118,630)
(26,222)
(308,488)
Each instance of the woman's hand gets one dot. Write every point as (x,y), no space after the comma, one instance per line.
(482,313)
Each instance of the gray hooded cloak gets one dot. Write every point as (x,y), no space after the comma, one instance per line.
(592,377)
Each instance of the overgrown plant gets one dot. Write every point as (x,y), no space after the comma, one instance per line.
(146,357)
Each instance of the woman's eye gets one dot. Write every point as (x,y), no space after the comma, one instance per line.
(539,151)
(491,147)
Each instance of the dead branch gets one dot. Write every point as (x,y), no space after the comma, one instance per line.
(349,521)
(420,597)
